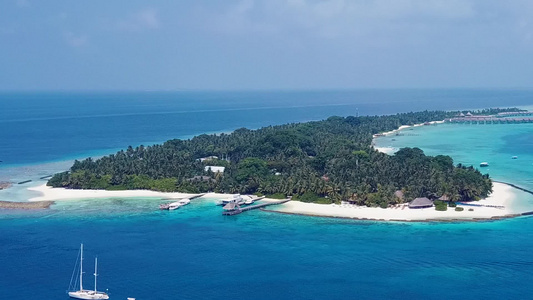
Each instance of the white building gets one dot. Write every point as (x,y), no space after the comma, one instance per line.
(215,169)
(212,157)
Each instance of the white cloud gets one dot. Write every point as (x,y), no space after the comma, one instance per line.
(331,18)
(246,16)
(76,41)
(142,20)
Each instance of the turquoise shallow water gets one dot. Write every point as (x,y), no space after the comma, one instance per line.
(196,253)
(473,144)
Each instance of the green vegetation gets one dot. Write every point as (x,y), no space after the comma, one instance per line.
(277,196)
(312,197)
(440,205)
(322,162)
(458,208)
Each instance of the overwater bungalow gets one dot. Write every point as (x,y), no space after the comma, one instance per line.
(421,203)
(231,208)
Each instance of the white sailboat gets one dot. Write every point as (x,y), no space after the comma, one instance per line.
(87,294)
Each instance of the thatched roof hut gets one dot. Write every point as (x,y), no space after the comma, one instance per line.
(421,203)
(399,194)
(231,206)
(444,198)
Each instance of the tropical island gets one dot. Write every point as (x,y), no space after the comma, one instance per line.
(324,162)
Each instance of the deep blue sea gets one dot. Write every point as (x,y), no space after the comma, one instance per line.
(195,253)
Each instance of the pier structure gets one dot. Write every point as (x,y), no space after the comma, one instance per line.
(235,209)
(490,120)
(190,198)
(514,114)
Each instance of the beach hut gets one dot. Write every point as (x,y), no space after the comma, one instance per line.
(231,206)
(421,203)
(399,194)
(444,198)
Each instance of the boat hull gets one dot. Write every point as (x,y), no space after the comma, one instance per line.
(88,295)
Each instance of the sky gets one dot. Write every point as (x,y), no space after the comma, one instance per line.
(265,44)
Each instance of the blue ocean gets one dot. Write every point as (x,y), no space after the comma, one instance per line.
(196,253)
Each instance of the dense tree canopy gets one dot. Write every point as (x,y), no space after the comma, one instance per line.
(331,159)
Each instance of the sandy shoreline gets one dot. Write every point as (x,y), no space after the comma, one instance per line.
(503,195)
(62,194)
(391,150)
(405,127)
(56,194)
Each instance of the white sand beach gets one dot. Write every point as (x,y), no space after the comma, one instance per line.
(56,194)
(392,150)
(503,195)
(405,127)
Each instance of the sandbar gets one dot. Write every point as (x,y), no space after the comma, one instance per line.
(25,205)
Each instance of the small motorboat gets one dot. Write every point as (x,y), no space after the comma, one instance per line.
(248,202)
(184,201)
(484,164)
(514,157)
(174,205)
(163,206)
(235,199)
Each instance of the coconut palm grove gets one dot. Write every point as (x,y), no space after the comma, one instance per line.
(321,161)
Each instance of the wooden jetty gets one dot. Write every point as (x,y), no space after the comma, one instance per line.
(190,198)
(25,181)
(514,114)
(197,196)
(236,209)
(490,120)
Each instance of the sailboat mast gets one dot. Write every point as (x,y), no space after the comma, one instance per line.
(81,268)
(95,271)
